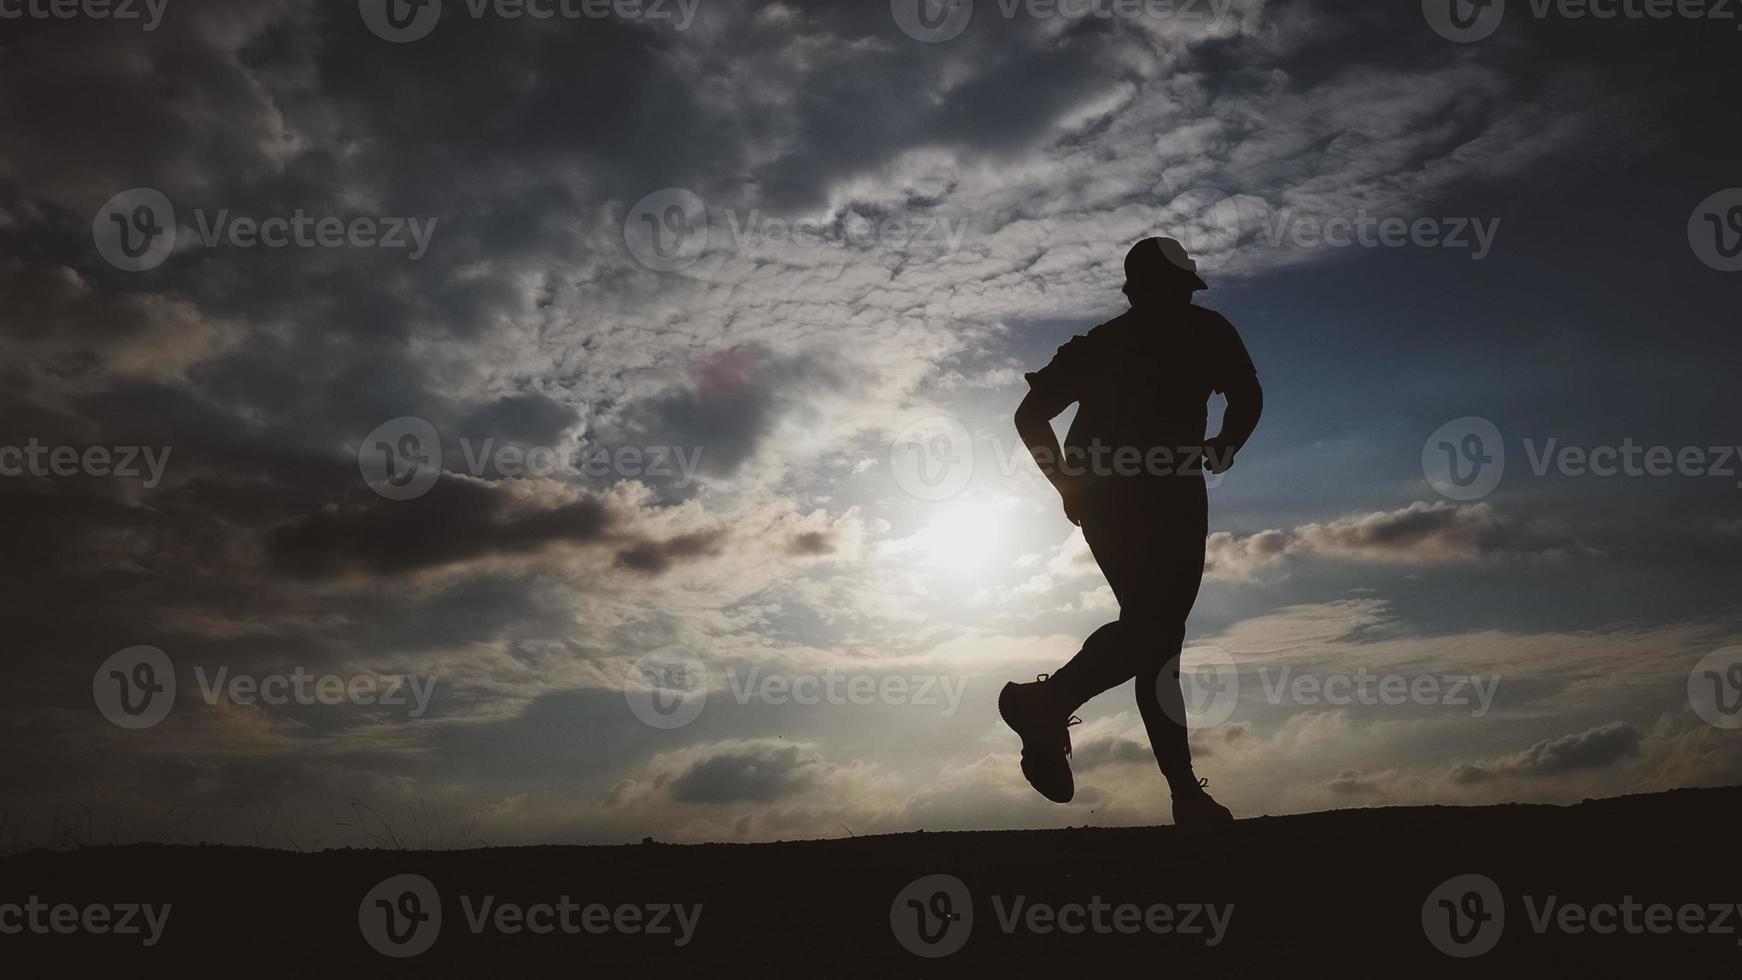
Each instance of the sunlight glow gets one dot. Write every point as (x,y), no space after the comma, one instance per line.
(963,538)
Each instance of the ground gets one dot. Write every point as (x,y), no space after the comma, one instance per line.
(1324,894)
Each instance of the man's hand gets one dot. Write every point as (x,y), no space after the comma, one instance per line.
(1218,456)
(1070,491)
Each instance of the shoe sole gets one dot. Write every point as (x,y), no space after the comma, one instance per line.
(1004,713)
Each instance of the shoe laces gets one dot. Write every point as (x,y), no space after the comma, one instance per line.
(1070,722)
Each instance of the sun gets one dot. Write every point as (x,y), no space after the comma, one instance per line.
(963,538)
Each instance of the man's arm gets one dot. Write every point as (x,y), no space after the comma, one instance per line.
(1034,424)
(1245,405)
(1239,384)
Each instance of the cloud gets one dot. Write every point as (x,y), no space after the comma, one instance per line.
(1354,782)
(1594,748)
(653,557)
(458,519)
(1109,750)
(757,772)
(1420,534)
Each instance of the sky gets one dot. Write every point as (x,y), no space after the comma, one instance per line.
(483,427)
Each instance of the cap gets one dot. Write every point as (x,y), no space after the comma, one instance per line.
(1162,259)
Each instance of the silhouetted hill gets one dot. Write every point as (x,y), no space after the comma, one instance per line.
(1328,894)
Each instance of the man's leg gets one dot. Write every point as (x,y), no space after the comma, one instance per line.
(1176,573)
(1118,537)
(1040,713)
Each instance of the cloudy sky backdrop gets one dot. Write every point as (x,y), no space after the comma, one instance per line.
(963,205)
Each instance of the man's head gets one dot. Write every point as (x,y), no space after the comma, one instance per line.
(1159,273)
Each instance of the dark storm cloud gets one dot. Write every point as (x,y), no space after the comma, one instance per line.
(756,773)
(457,520)
(810,543)
(1594,748)
(653,557)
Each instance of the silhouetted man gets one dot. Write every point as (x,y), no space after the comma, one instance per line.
(1131,475)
